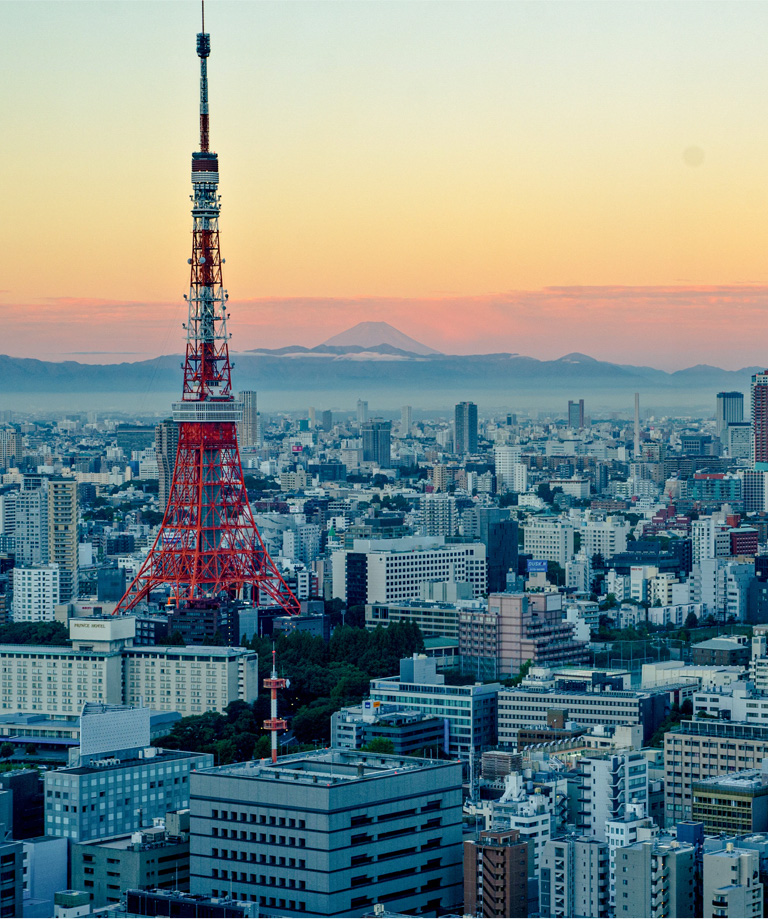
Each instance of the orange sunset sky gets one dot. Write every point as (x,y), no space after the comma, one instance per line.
(533,177)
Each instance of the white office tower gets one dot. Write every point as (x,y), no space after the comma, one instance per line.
(406,420)
(62,535)
(731,883)
(703,537)
(511,474)
(362,411)
(578,573)
(31,527)
(611,783)
(531,814)
(248,433)
(605,537)
(633,827)
(574,876)
(438,515)
(548,538)
(8,513)
(35,593)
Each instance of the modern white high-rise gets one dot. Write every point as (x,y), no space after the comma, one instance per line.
(248,433)
(703,533)
(574,875)
(530,813)
(605,537)
(548,538)
(611,782)
(362,411)
(62,534)
(8,513)
(406,420)
(438,515)
(633,827)
(729,409)
(732,883)
(35,593)
(31,527)
(510,472)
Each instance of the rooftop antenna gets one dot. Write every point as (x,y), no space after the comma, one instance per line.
(275,724)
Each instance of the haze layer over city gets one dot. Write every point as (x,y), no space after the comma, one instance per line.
(414,561)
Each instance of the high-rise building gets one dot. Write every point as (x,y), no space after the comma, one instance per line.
(330,833)
(62,534)
(574,878)
(656,878)
(465,428)
(611,784)
(760,421)
(406,420)
(576,414)
(11,449)
(729,410)
(362,411)
(35,593)
(511,474)
(731,883)
(438,515)
(701,749)
(496,875)
(377,449)
(166,445)
(248,432)
(30,529)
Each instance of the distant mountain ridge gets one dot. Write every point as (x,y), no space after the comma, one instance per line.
(356,369)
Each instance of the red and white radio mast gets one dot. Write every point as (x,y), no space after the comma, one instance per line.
(273,723)
(208,545)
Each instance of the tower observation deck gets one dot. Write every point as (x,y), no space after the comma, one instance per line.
(208,546)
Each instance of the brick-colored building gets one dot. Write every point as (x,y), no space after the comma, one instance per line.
(721,652)
(496,875)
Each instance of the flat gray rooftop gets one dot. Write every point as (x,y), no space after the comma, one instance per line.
(327,766)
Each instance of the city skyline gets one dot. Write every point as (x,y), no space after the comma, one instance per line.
(571,175)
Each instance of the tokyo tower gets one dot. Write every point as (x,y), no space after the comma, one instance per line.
(208,548)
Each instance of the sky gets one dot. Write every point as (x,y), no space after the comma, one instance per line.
(532,177)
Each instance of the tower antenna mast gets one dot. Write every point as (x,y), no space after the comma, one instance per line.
(209,551)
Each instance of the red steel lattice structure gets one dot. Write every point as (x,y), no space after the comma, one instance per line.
(208,544)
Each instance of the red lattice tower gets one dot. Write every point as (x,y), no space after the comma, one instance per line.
(208,544)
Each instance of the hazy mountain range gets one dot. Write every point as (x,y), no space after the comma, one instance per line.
(373,360)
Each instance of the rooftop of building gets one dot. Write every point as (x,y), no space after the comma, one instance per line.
(722,644)
(108,763)
(329,767)
(151,838)
(712,728)
(748,781)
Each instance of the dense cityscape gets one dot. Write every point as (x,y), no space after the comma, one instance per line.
(381,660)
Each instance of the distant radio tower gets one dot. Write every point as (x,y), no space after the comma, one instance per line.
(274,724)
(208,546)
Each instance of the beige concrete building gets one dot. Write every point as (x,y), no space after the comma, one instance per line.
(702,749)
(62,534)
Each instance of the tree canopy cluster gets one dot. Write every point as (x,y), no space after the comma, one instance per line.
(324,677)
(34,633)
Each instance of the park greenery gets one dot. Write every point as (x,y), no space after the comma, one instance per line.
(324,677)
(34,633)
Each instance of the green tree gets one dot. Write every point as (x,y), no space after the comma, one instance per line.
(7,749)
(262,749)
(312,723)
(379,745)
